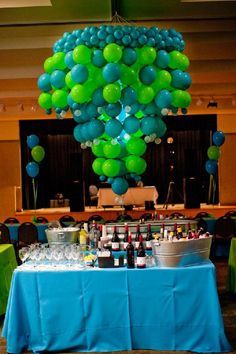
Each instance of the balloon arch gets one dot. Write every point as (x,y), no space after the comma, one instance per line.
(119,82)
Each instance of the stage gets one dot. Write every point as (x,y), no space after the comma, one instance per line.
(112,213)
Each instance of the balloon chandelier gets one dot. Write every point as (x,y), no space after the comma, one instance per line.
(119,82)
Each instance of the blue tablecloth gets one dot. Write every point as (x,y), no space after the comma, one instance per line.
(13,228)
(115,309)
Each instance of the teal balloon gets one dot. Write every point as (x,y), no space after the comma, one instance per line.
(78,133)
(129,56)
(44,83)
(58,79)
(97,97)
(69,60)
(128,96)
(147,74)
(113,127)
(163,99)
(95,128)
(148,125)
(120,186)
(113,109)
(211,167)
(98,58)
(218,138)
(32,169)
(111,72)
(162,59)
(32,140)
(38,153)
(213,152)
(79,73)
(161,128)
(131,124)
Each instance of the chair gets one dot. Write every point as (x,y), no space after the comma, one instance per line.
(11,220)
(176,215)
(4,234)
(202,214)
(66,220)
(93,197)
(41,220)
(124,217)
(96,218)
(27,234)
(231,213)
(224,231)
(201,223)
(146,216)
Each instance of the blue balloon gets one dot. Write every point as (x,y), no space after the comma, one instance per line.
(186,81)
(162,59)
(151,109)
(32,140)
(44,83)
(80,115)
(131,124)
(129,96)
(218,138)
(177,78)
(149,125)
(98,98)
(113,127)
(102,178)
(98,58)
(78,133)
(79,73)
(95,129)
(92,110)
(113,109)
(211,166)
(70,101)
(163,99)
(32,169)
(119,186)
(110,180)
(111,72)
(58,79)
(69,60)
(147,74)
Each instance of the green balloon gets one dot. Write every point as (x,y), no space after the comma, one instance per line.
(82,54)
(112,53)
(97,165)
(59,61)
(69,82)
(180,99)
(213,152)
(175,58)
(110,150)
(111,93)
(146,55)
(136,146)
(98,77)
(162,81)
(183,62)
(97,149)
(138,133)
(59,99)
(111,168)
(45,100)
(79,94)
(128,75)
(49,65)
(145,95)
(38,153)
(135,164)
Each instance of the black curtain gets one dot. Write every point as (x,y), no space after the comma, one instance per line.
(66,162)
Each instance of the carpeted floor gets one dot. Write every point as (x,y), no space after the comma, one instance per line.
(228,306)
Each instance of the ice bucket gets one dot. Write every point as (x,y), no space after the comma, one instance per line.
(62,235)
(181,253)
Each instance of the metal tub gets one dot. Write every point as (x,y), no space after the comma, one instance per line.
(181,253)
(66,235)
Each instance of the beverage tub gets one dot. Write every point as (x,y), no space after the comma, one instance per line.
(64,235)
(179,253)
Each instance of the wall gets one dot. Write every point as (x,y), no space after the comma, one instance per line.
(10,176)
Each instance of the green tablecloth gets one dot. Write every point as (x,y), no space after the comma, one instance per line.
(231,284)
(7,266)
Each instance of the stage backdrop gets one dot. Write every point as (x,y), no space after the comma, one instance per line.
(65,162)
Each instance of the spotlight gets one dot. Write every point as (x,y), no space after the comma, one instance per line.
(212,104)
(170,140)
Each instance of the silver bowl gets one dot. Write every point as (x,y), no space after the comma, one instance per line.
(64,235)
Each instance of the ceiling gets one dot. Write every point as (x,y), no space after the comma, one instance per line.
(29,28)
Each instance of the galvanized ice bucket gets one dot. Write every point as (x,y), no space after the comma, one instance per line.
(64,235)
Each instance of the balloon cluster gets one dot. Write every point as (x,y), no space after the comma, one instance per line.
(118,82)
(37,153)
(213,152)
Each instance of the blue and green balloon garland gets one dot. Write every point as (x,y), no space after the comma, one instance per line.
(119,82)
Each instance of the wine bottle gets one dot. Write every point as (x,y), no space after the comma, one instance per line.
(137,236)
(176,232)
(179,232)
(162,231)
(99,236)
(130,253)
(126,236)
(115,241)
(149,238)
(141,255)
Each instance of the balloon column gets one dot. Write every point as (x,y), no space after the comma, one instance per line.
(119,82)
(32,167)
(211,165)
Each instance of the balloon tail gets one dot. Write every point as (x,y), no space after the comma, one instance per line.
(213,190)
(210,190)
(35,193)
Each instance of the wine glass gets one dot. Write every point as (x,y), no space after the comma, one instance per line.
(24,253)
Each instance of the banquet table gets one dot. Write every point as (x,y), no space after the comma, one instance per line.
(94,310)
(133,196)
(231,281)
(7,265)
(13,229)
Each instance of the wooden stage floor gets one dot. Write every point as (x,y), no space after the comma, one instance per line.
(112,213)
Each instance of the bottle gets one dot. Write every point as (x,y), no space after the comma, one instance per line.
(171,236)
(149,238)
(179,232)
(200,232)
(115,241)
(99,236)
(162,231)
(137,237)
(104,238)
(126,236)
(92,236)
(141,255)
(83,235)
(176,232)
(130,253)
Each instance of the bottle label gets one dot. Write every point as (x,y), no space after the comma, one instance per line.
(83,239)
(125,245)
(115,246)
(141,262)
(148,245)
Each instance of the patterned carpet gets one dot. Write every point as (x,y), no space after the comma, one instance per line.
(228,306)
